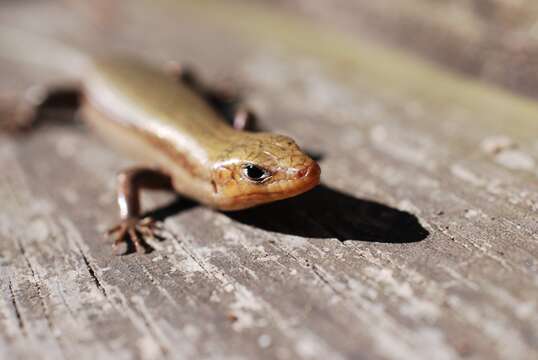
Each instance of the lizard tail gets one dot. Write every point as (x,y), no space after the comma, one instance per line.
(25,47)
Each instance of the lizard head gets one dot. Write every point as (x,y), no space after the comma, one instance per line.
(262,168)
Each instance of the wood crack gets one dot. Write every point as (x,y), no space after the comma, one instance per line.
(315,270)
(20,322)
(42,300)
(91,271)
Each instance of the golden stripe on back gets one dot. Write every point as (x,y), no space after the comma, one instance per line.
(148,98)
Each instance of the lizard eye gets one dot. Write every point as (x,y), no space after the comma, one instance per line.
(255,173)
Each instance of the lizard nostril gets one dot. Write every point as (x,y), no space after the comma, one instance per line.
(311,169)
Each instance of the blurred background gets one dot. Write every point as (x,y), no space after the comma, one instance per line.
(493,40)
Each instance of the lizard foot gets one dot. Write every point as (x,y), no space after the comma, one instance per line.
(134,232)
(15,118)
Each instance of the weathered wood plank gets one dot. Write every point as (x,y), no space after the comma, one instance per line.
(420,244)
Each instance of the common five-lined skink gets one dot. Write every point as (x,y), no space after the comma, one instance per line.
(183,144)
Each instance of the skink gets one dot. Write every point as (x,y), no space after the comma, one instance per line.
(183,144)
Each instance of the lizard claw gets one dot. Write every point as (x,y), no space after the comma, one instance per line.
(134,232)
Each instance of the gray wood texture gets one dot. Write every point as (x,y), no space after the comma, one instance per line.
(420,244)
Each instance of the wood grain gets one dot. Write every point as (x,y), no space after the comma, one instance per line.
(420,244)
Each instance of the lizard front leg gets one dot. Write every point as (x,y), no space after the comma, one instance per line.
(133,230)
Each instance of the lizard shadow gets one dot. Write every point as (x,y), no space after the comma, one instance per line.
(323,213)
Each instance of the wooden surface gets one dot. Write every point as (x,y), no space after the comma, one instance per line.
(422,242)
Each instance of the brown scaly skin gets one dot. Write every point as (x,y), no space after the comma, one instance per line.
(290,171)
